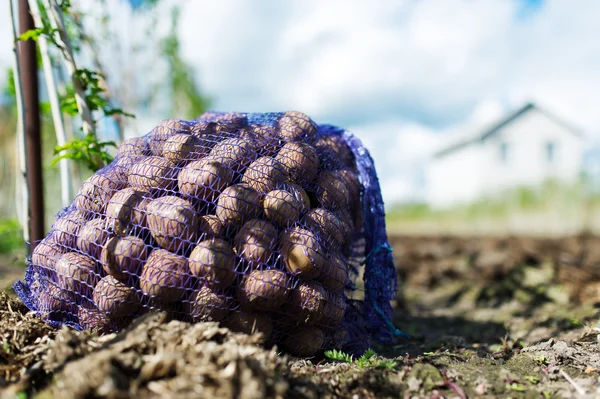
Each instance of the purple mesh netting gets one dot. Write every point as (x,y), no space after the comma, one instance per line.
(227,218)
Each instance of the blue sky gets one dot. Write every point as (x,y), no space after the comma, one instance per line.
(406,75)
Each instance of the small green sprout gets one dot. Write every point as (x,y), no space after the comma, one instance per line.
(368,359)
(339,356)
(516,387)
(532,379)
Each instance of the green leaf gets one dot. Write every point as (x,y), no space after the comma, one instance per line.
(88,151)
(116,111)
(369,353)
(31,34)
(534,380)
(516,387)
(387,364)
(338,355)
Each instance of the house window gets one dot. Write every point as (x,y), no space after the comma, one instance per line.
(504,152)
(550,151)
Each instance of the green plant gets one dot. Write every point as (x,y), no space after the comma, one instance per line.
(368,359)
(87,151)
(185,95)
(515,387)
(10,235)
(84,95)
(338,356)
(532,379)
(387,364)
(541,360)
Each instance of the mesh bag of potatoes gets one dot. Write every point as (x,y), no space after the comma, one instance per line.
(265,223)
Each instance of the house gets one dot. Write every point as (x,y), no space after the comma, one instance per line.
(523,149)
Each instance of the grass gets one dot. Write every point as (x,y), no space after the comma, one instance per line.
(558,208)
(11,237)
(366,360)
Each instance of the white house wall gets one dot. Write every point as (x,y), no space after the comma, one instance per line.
(527,162)
(454,179)
(477,169)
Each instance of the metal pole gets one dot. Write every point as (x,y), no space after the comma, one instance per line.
(59,127)
(29,71)
(22,196)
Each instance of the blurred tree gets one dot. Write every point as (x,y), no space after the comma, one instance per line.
(186,97)
(171,89)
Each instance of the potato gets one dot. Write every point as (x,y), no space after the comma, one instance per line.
(153,173)
(157,138)
(282,207)
(97,190)
(250,324)
(66,227)
(93,319)
(228,123)
(352,183)
(265,174)
(210,226)
(203,130)
(304,341)
(256,241)
(340,337)
(115,298)
(300,161)
(173,222)
(123,257)
(126,211)
(301,253)
(347,222)
(334,274)
(264,289)
(137,146)
(296,126)
(235,120)
(264,137)
(327,225)
(238,204)
(334,152)
(165,276)
(334,310)
(77,273)
(299,193)
(355,190)
(213,261)
(204,179)
(47,252)
(331,190)
(307,302)
(236,153)
(207,305)
(55,303)
(181,148)
(124,163)
(92,237)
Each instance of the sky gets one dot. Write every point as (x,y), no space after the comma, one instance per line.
(407,76)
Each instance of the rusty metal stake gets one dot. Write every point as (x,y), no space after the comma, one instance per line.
(29,76)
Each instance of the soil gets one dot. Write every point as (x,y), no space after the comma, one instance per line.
(489,317)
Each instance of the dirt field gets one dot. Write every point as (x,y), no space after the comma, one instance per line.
(513,317)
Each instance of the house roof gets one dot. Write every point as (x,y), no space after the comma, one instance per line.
(495,128)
